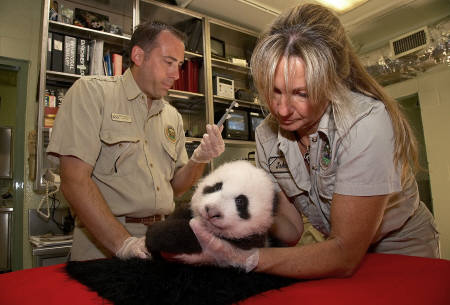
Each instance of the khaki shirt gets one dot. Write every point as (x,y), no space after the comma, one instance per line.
(358,163)
(105,122)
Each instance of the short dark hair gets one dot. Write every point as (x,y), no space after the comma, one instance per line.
(145,34)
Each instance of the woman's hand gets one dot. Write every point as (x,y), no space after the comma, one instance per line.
(217,251)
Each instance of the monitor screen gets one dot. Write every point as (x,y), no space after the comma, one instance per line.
(237,122)
(236,126)
(256,120)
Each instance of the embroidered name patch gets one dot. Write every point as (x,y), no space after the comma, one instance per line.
(278,165)
(171,134)
(121,117)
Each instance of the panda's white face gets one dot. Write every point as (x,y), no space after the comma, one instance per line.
(235,201)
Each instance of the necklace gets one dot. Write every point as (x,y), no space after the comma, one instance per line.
(306,155)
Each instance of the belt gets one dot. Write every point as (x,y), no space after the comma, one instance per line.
(148,221)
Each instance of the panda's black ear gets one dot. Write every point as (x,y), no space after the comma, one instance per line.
(275,204)
(211,189)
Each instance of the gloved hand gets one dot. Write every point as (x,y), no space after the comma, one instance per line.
(211,146)
(133,247)
(216,251)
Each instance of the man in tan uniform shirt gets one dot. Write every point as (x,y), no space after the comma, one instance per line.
(121,148)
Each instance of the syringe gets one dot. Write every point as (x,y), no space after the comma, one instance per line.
(227,115)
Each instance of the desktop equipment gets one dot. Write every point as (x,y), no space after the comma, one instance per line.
(255,118)
(223,87)
(236,126)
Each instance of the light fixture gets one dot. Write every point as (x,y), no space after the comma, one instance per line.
(342,6)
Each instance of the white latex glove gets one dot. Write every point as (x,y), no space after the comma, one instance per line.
(211,146)
(218,252)
(133,247)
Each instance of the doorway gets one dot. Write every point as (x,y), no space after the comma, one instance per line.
(13,94)
(411,108)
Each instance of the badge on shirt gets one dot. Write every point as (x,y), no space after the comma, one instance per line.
(325,155)
(121,117)
(278,165)
(171,134)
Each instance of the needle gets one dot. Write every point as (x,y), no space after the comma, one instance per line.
(227,115)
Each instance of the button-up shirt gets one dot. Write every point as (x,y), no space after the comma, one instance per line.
(134,151)
(354,159)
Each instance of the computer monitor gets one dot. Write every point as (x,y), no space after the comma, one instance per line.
(255,119)
(236,127)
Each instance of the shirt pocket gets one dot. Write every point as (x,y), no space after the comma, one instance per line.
(171,156)
(287,184)
(325,183)
(119,154)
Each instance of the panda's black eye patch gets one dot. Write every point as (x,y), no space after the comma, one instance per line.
(214,188)
(242,206)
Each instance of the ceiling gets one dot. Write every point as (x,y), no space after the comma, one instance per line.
(369,26)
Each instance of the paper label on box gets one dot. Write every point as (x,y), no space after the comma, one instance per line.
(58,45)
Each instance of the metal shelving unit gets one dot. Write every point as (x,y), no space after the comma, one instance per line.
(197,109)
(121,12)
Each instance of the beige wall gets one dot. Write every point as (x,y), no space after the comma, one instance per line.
(433,88)
(20,24)
(8,105)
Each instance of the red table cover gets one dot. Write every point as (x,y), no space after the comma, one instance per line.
(381,279)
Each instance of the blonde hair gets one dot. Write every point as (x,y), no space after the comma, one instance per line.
(332,70)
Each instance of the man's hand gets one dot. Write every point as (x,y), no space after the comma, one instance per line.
(133,247)
(211,146)
(217,251)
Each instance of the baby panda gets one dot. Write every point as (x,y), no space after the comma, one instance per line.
(236,202)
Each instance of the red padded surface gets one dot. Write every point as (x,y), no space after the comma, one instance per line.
(381,279)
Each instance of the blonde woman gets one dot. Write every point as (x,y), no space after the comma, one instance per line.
(339,152)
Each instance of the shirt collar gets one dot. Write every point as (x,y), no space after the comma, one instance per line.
(133,92)
(361,105)
(326,123)
(132,89)
(326,126)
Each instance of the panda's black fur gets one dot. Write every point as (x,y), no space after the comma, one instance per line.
(244,223)
(236,202)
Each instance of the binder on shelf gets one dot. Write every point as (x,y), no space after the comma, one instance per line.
(191,76)
(96,63)
(117,64)
(193,30)
(195,77)
(179,83)
(57,52)
(83,56)
(49,51)
(108,64)
(70,49)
